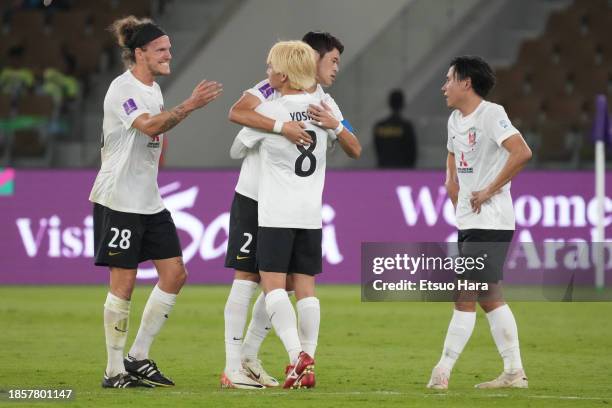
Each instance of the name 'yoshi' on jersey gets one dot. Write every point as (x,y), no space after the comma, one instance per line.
(292,176)
(248,180)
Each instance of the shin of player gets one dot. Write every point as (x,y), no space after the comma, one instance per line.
(131,224)
(485,151)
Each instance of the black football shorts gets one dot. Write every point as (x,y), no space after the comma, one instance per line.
(124,240)
(242,241)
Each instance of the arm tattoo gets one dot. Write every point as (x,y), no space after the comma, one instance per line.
(176,115)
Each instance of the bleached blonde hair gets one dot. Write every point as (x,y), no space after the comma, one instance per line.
(297,60)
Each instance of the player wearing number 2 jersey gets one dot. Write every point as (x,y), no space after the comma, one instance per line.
(242,243)
(289,204)
(131,224)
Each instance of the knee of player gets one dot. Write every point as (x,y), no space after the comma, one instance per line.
(183,274)
(124,292)
(247,276)
(180,275)
(465,306)
(489,306)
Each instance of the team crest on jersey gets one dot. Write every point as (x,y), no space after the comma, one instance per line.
(472,136)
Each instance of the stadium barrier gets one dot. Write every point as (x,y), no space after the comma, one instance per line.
(46,226)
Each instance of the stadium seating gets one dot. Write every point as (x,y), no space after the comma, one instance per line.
(33,141)
(555,75)
(6,111)
(551,87)
(76,43)
(527,111)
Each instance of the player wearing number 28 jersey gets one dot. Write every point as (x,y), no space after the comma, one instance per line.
(131,224)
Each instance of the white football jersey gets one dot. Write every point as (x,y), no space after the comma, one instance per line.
(476,141)
(248,179)
(291,177)
(127,180)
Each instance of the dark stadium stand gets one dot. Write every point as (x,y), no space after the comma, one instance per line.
(551,87)
(70,37)
(34,141)
(554,78)
(6,111)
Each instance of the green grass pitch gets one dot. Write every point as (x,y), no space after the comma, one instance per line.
(369,353)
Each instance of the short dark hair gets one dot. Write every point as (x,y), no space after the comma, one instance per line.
(479,72)
(396,100)
(322,42)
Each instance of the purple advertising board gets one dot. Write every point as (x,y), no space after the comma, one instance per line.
(46,227)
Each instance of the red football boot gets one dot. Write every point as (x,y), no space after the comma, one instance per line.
(308,379)
(295,373)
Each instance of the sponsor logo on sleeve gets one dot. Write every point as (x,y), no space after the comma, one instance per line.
(504,124)
(266,90)
(129,106)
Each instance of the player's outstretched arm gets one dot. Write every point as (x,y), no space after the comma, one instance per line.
(520,154)
(325,119)
(451,184)
(153,125)
(243,113)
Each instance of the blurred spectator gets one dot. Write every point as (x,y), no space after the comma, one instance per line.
(394,137)
(59,86)
(15,81)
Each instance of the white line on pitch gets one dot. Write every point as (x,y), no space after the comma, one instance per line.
(392,393)
(567,397)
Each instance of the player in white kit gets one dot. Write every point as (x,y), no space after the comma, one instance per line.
(485,151)
(241,353)
(289,205)
(131,224)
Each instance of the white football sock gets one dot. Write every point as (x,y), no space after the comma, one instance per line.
(309,317)
(284,321)
(259,327)
(116,313)
(236,313)
(459,331)
(154,316)
(505,334)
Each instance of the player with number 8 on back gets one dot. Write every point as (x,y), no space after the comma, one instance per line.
(289,201)
(243,369)
(131,224)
